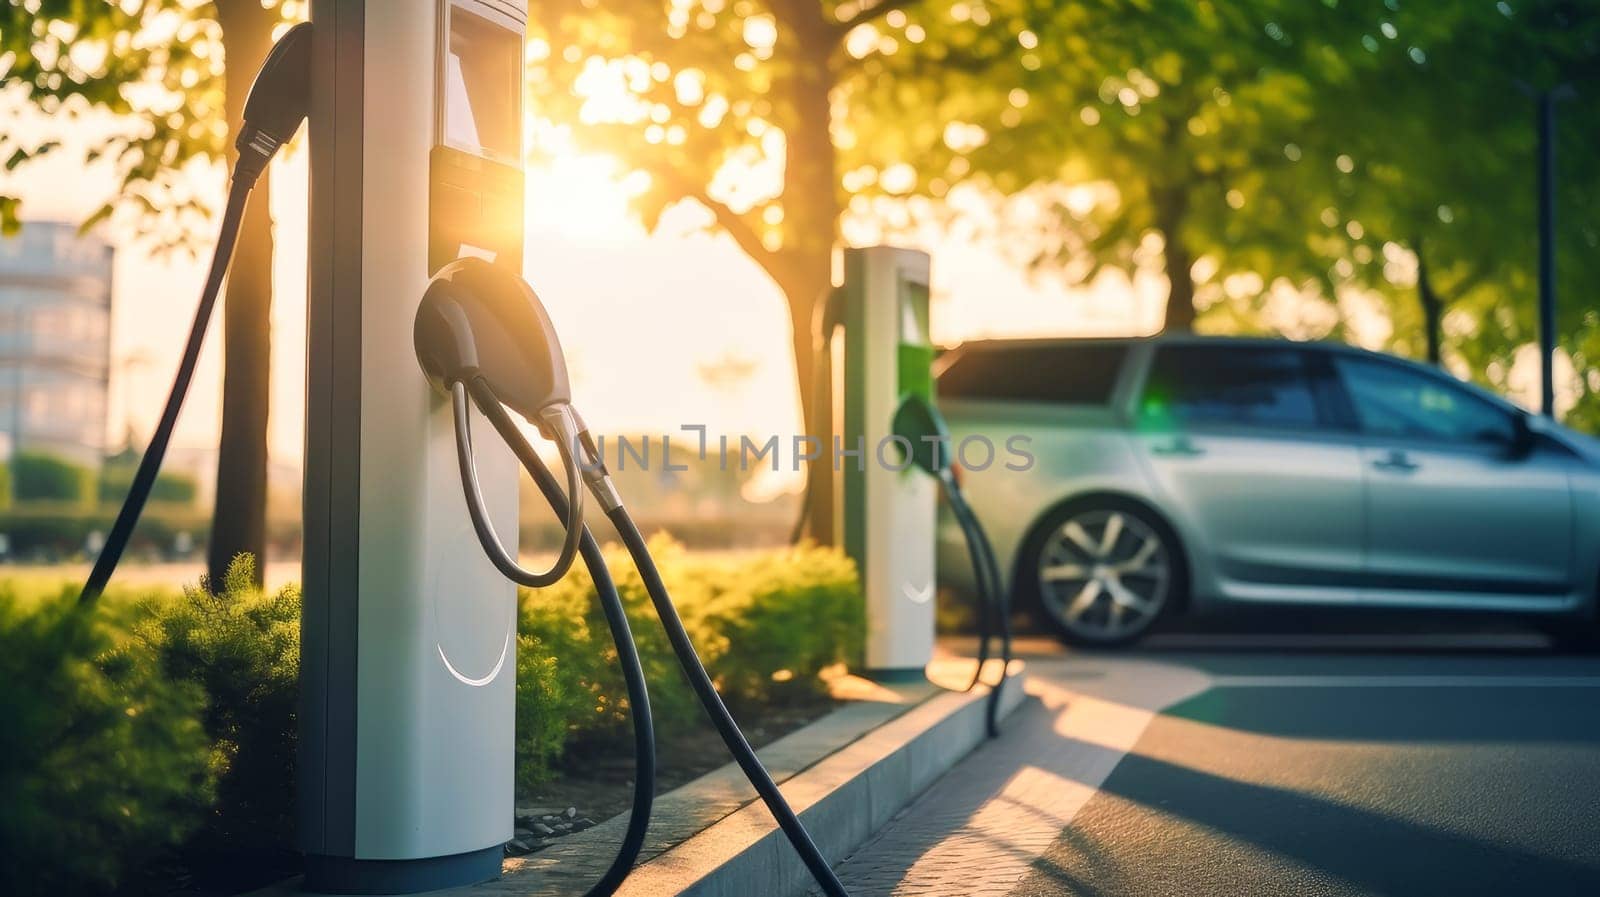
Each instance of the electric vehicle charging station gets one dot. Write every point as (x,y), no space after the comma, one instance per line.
(887,509)
(406,721)
(408,667)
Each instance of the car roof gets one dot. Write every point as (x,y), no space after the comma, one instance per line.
(1166,339)
(1195,339)
(1159,339)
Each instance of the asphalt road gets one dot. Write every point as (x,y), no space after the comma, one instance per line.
(1245,769)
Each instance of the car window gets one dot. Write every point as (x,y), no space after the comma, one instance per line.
(1060,373)
(1391,400)
(1231,386)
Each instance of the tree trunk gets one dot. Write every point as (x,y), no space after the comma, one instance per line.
(1432,308)
(1171,208)
(805,288)
(239,518)
(805,269)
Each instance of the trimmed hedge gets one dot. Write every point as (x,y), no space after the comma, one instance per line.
(116,481)
(40,477)
(148,723)
(50,529)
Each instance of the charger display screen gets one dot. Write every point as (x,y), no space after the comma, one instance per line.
(483,88)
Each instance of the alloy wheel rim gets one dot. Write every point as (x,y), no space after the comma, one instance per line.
(1104,575)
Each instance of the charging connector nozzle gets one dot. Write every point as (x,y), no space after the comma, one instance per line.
(280,98)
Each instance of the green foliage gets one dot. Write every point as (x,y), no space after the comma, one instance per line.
(568,648)
(551,699)
(116,479)
(766,625)
(1304,168)
(10,222)
(1440,129)
(40,477)
(57,529)
(241,648)
(179,728)
(103,761)
(770,624)
(73,55)
(752,110)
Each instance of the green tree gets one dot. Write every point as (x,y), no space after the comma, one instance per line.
(1440,122)
(766,113)
(1184,128)
(1382,149)
(176,74)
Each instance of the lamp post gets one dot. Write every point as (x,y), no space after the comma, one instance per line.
(1547,100)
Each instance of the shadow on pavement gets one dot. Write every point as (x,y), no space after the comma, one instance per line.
(1347,849)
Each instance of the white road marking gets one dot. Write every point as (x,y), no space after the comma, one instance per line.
(1348,641)
(1404,681)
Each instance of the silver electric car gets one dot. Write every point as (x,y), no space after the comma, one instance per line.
(1125,480)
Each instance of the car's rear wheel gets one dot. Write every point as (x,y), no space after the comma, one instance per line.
(1104,572)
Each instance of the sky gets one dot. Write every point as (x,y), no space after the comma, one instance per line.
(648,321)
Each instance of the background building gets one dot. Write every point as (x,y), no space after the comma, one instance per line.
(55,342)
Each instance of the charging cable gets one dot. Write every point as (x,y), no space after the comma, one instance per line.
(276,106)
(644,741)
(483,338)
(561,422)
(922,426)
(992,598)
(476,320)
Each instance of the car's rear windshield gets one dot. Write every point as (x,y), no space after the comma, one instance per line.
(1057,373)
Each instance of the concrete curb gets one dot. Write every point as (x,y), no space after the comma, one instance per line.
(846,775)
(843,800)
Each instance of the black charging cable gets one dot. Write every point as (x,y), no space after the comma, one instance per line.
(927,438)
(483,338)
(504,560)
(980,571)
(992,594)
(277,105)
(483,396)
(700,681)
(644,740)
(915,419)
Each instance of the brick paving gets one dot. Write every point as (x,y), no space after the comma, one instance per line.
(981,828)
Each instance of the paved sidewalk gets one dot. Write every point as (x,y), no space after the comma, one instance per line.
(979,830)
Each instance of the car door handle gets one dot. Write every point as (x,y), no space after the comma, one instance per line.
(1396,462)
(1180,447)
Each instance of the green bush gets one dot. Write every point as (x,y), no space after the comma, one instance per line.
(103,762)
(765,625)
(57,529)
(169,488)
(547,704)
(122,740)
(41,477)
(241,647)
(563,641)
(770,624)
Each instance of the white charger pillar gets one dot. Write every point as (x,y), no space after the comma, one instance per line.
(408,633)
(888,508)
